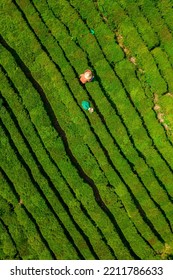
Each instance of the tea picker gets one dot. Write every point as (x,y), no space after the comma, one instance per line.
(92,31)
(87,76)
(86,106)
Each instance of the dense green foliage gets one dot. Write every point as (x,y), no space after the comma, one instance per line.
(76,185)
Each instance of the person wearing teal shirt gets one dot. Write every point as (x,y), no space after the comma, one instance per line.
(86,106)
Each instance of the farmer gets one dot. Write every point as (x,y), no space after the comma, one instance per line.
(87,76)
(86,106)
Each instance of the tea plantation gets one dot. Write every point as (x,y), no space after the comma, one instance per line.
(76,185)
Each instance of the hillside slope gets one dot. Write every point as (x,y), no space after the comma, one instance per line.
(76,185)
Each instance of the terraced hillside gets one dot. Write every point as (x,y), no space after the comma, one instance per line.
(76,185)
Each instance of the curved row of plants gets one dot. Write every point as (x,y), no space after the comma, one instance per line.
(90,187)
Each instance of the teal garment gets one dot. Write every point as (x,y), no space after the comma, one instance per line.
(92,31)
(85,105)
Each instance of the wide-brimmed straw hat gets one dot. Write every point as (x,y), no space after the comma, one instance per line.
(88,74)
(91,110)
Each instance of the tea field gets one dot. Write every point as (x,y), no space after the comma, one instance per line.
(75,185)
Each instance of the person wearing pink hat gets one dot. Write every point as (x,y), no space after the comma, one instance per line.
(87,76)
